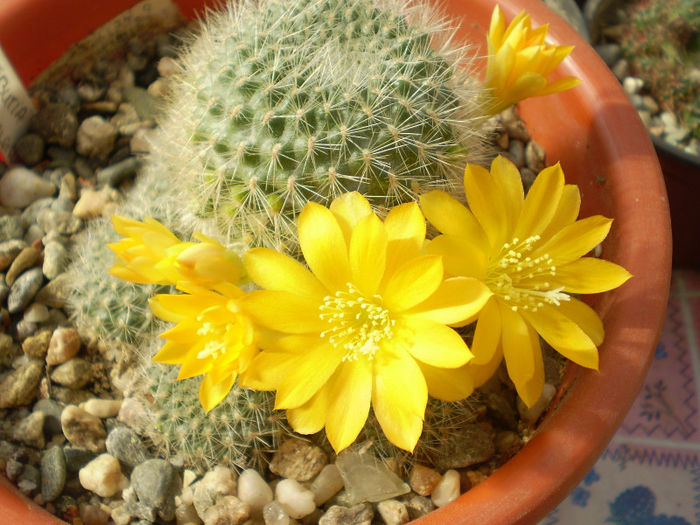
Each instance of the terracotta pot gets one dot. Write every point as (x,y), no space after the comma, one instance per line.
(603,147)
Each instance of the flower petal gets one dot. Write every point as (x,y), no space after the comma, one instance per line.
(541,202)
(486,203)
(459,256)
(310,371)
(310,417)
(450,216)
(413,282)
(448,384)
(267,370)
(564,335)
(284,311)
(481,373)
(350,393)
(272,270)
(585,317)
(349,209)
(211,394)
(433,343)
(487,335)
(591,275)
(455,302)
(575,240)
(405,229)
(172,353)
(399,410)
(567,210)
(323,245)
(508,179)
(368,253)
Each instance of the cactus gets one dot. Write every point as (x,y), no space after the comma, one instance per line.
(241,432)
(282,102)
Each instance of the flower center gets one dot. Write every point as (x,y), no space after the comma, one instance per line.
(356,324)
(523,281)
(215,345)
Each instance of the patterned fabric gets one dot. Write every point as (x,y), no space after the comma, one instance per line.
(650,472)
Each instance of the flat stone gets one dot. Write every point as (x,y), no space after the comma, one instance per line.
(37,345)
(103,476)
(21,386)
(11,227)
(64,344)
(125,445)
(57,123)
(473,444)
(21,186)
(24,289)
(361,514)
(82,429)
(366,478)
(156,483)
(53,473)
(74,373)
(298,459)
(24,260)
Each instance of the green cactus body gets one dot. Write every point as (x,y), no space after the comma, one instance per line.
(284,102)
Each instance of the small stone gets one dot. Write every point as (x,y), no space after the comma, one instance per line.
(516,152)
(185,514)
(327,484)
(393,512)
(366,478)
(70,396)
(93,203)
(508,443)
(24,260)
(650,104)
(103,476)
(64,344)
(156,483)
(296,500)
(36,313)
(96,137)
(669,120)
(125,445)
(33,234)
(632,85)
(59,221)
(53,473)
(10,249)
(90,92)
(229,510)
(220,481)
(254,490)
(55,259)
(82,429)
(24,289)
(57,123)
(30,430)
(678,136)
(361,514)
(274,514)
(29,480)
(115,174)
(418,506)
(298,459)
(621,69)
(471,445)
(21,186)
(168,67)
(141,141)
(516,130)
(102,408)
(74,373)
(37,345)
(534,156)
(56,292)
(610,53)
(447,489)
(24,329)
(132,412)
(125,117)
(11,227)
(645,117)
(30,149)
(423,480)
(93,514)
(20,387)
(7,349)
(52,415)
(77,458)
(532,414)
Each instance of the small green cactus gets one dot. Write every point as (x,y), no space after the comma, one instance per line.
(283,102)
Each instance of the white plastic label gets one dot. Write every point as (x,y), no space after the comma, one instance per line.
(16,107)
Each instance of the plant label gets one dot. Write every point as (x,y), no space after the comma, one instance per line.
(16,108)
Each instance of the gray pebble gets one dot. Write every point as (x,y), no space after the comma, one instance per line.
(30,430)
(77,458)
(610,53)
(57,123)
(621,69)
(30,149)
(678,135)
(53,473)
(29,480)
(68,95)
(115,174)
(24,289)
(125,445)
(645,117)
(74,373)
(89,92)
(55,259)
(11,227)
(82,429)
(156,483)
(534,156)
(418,506)
(52,415)
(20,386)
(33,234)
(56,292)
(68,187)
(61,157)
(96,138)
(31,212)
(63,222)
(516,152)
(472,445)
(25,329)
(650,104)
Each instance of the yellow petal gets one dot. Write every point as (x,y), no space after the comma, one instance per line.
(455,302)
(350,392)
(450,216)
(192,366)
(310,417)
(487,336)
(172,353)
(448,384)
(399,410)
(541,202)
(176,308)
(368,252)
(433,343)
(523,355)
(127,274)
(591,275)
(564,335)
(413,283)
(211,394)
(567,211)
(507,177)
(349,209)
(308,374)
(405,230)
(284,311)
(324,247)
(267,370)
(559,85)
(486,203)
(272,270)
(460,256)
(575,240)
(585,317)
(481,373)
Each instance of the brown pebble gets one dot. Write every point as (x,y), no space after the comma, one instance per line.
(37,345)
(24,260)
(64,344)
(298,459)
(423,480)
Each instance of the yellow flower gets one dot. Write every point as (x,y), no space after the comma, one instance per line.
(366,326)
(530,253)
(520,61)
(212,337)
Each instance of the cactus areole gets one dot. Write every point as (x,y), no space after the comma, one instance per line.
(593,131)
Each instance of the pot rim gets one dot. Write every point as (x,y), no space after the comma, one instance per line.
(581,125)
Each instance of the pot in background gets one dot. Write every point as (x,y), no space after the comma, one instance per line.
(595,133)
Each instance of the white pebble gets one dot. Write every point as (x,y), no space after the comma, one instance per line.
(326,484)
(21,186)
(533,413)
(103,476)
(296,500)
(274,514)
(632,85)
(254,490)
(102,408)
(447,489)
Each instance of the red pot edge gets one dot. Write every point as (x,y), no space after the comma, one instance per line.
(552,463)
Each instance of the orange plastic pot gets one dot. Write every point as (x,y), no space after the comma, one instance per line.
(603,147)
